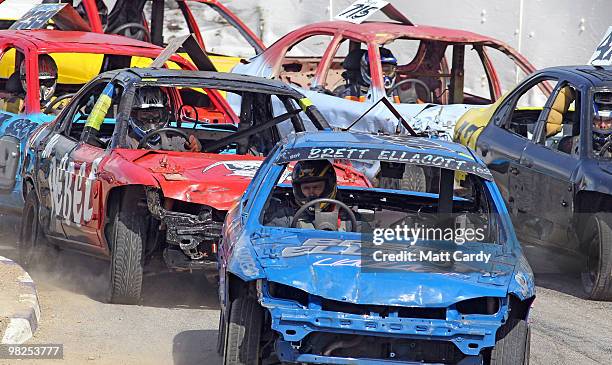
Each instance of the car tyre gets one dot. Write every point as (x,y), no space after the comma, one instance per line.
(221,338)
(127,261)
(597,275)
(34,250)
(244,333)
(512,343)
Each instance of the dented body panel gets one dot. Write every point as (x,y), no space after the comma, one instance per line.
(319,75)
(332,295)
(552,183)
(185,195)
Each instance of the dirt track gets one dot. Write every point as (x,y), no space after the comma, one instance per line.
(177,322)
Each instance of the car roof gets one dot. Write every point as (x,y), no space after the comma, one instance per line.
(208,79)
(598,76)
(381,32)
(360,139)
(390,148)
(60,41)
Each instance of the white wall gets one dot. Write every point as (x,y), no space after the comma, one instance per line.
(547,32)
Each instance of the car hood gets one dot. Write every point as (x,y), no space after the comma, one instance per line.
(330,268)
(217,180)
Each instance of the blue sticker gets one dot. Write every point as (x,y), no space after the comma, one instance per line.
(20,128)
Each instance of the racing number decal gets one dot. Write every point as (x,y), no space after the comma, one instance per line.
(464,134)
(71,189)
(37,17)
(361,10)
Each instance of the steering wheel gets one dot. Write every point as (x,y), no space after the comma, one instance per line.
(163,133)
(141,32)
(340,204)
(606,146)
(53,107)
(416,81)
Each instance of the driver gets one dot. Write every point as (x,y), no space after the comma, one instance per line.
(150,111)
(602,124)
(311,179)
(357,88)
(47,76)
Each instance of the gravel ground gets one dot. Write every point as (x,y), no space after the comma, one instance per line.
(177,322)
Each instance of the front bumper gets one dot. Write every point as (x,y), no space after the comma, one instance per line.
(469,333)
(283,347)
(192,239)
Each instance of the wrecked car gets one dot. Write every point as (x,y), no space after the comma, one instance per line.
(433,73)
(216,28)
(99,180)
(550,155)
(304,280)
(28,99)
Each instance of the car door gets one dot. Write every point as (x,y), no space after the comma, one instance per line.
(72,164)
(82,223)
(52,167)
(550,161)
(502,142)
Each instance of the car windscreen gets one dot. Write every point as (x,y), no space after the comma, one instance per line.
(422,203)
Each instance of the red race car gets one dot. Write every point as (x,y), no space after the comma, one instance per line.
(143,165)
(39,71)
(216,28)
(345,68)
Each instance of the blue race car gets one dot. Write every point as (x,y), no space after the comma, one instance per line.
(314,270)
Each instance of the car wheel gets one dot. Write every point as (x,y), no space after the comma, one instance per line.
(512,343)
(597,275)
(244,333)
(127,263)
(33,247)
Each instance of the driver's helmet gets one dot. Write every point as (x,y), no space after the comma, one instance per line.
(602,119)
(150,110)
(389,67)
(47,76)
(313,171)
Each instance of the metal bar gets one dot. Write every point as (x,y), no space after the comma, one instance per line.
(157,22)
(93,16)
(445,197)
(457,73)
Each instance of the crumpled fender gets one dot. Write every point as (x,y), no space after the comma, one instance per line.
(119,171)
(522,283)
(243,261)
